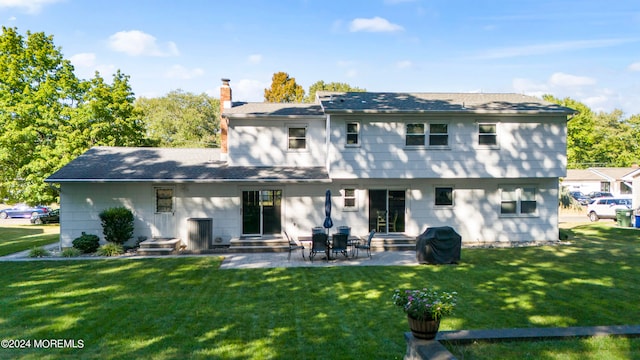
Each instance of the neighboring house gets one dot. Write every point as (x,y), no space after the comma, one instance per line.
(616,180)
(486,164)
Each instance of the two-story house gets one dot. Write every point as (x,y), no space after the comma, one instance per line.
(486,164)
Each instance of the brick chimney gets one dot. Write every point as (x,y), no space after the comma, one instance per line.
(225,103)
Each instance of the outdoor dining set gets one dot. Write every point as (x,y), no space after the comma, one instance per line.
(332,246)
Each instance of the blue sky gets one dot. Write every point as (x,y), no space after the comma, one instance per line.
(588,50)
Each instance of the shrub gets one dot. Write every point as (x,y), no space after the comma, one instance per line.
(70,252)
(110,249)
(87,243)
(38,251)
(117,224)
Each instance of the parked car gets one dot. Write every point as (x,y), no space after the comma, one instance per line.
(581,198)
(52,216)
(23,211)
(605,207)
(599,194)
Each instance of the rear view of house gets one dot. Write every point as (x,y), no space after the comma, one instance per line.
(485,164)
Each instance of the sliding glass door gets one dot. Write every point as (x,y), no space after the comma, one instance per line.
(261,212)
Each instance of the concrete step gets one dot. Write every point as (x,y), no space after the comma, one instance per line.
(156,251)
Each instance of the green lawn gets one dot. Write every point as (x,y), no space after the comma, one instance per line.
(15,238)
(188,308)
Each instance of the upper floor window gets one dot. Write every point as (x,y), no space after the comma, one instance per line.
(444,196)
(353,133)
(438,135)
(415,135)
(297,138)
(164,200)
(518,201)
(488,134)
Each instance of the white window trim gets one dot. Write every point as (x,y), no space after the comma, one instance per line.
(428,134)
(358,134)
(406,135)
(518,189)
(356,198)
(155,199)
(477,137)
(306,137)
(453,197)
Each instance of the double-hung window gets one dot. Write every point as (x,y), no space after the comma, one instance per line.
(488,134)
(297,138)
(518,200)
(164,200)
(415,135)
(353,133)
(350,199)
(438,135)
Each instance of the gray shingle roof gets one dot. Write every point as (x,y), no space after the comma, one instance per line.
(386,102)
(113,164)
(273,109)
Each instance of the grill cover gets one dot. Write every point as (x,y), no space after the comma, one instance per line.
(438,245)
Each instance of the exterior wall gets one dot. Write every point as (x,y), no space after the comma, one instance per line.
(529,146)
(585,186)
(264,142)
(475,213)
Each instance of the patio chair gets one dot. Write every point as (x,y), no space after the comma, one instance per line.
(318,244)
(381,222)
(340,244)
(294,245)
(366,245)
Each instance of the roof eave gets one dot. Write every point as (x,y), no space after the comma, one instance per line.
(183,181)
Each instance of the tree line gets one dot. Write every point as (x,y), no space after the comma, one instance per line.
(48,116)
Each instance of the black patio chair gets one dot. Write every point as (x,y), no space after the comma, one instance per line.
(294,245)
(340,244)
(318,245)
(367,245)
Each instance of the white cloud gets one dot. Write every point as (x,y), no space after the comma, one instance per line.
(28,6)
(375,24)
(635,66)
(248,90)
(404,64)
(138,43)
(548,48)
(255,59)
(183,73)
(85,66)
(83,60)
(568,80)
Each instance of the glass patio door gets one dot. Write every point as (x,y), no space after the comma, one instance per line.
(261,210)
(386,210)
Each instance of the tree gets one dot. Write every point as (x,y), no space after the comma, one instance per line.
(332,86)
(580,132)
(284,89)
(181,119)
(48,116)
(600,139)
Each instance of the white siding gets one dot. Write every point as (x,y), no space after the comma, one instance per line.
(264,142)
(475,214)
(528,147)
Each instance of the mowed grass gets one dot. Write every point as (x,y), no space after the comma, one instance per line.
(187,307)
(16,238)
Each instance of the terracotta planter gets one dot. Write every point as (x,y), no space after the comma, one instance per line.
(424,329)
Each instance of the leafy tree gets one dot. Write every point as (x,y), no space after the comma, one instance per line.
(600,139)
(580,132)
(284,89)
(332,86)
(181,119)
(48,116)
